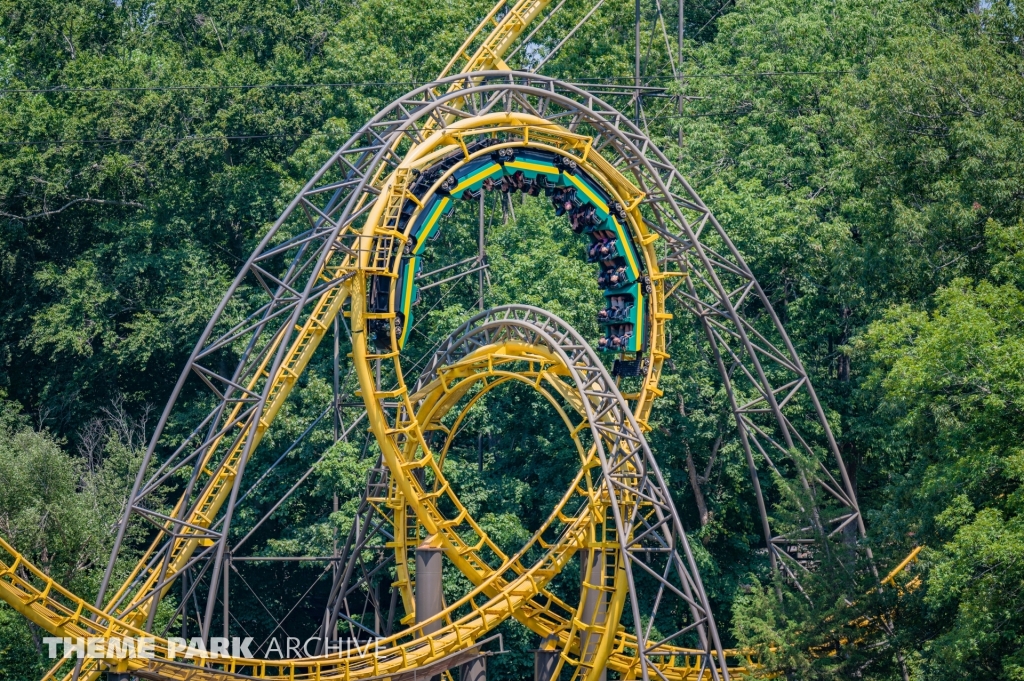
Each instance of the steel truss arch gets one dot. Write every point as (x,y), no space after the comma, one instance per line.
(610,420)
(627,466)
(312,266)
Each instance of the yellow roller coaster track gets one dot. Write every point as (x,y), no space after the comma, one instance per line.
(499,35)
(420,499)
(62,614)
(551,616)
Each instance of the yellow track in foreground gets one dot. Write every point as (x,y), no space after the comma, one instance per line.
(503,590)
(60,613)
(531,131)
(495,37)
(522,595)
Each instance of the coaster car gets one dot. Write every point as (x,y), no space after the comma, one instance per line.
(622,319)
(573,193)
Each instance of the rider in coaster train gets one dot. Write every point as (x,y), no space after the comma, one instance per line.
(617,338)
(601,249)
(621,335)
(619,309)
(564,200)
(613,277)
(583,218)
(573,193)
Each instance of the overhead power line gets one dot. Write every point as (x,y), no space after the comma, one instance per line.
(60,89)
(694,76)
(215,138)
(156,140)
(254,86)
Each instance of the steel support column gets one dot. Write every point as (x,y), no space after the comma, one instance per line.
(594,592)
(474,670)
(545,659)
(429,599)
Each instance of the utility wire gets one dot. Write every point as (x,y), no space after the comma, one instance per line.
(162,140)
(59,89)
(159,140)
(693,76)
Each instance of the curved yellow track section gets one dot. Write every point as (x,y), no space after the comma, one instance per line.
(63,614)
(504,586)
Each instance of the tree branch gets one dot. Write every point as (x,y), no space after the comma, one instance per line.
(691,470)
(711,461)
(48,213)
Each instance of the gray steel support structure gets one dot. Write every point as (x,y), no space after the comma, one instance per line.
(772,400)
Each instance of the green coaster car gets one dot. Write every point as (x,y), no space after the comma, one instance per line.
(573,193)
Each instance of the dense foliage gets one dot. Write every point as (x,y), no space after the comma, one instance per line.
(866,156)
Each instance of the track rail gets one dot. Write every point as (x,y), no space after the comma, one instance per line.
(345,227)
(538,338)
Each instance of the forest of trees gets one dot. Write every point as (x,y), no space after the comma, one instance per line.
(867,157)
